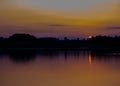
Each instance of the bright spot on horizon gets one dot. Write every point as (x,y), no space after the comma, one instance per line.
(90,37)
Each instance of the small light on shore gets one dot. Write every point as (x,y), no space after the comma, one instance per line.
(89,37)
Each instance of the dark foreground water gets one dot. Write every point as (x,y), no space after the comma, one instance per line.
(59,68)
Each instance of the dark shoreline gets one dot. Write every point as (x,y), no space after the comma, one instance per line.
(61,49)
(26,41)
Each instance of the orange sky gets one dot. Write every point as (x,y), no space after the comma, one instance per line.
(45,22)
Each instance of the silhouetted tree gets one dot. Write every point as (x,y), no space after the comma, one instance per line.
(22,37)
(29,41)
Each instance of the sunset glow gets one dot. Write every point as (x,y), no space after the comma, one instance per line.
(59,42)
(28,16)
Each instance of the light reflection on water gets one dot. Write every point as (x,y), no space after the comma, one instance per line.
(59,68)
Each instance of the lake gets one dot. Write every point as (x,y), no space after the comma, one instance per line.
(59,68)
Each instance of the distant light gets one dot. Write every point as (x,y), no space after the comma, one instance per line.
(89,37)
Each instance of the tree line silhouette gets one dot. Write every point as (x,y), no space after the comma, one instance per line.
(30,41)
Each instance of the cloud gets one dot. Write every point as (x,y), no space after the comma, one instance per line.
(115,28)
(56,25)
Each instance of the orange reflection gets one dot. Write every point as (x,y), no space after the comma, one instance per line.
(90,59)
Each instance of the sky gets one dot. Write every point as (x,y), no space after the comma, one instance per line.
(70,5)
(59,18)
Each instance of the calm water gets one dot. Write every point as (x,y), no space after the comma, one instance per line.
(60,68)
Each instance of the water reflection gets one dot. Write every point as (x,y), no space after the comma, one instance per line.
(59,68)
(24,56)
(105,55)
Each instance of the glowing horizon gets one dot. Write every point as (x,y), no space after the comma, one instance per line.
(98,19)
